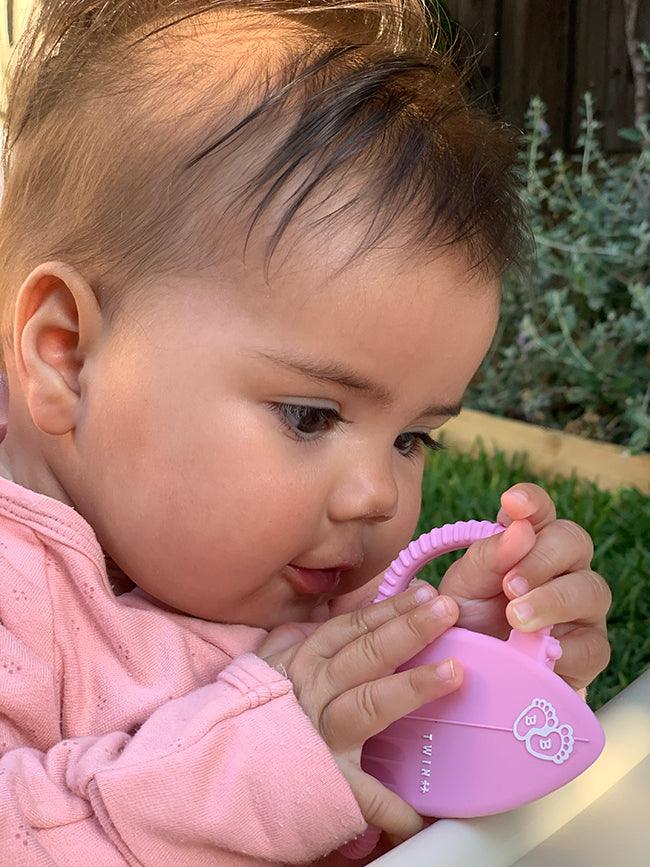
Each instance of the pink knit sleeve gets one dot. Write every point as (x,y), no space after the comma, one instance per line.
(230,774)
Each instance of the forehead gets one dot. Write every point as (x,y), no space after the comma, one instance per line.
(384,314)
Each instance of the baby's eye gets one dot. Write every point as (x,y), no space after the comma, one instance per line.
(410,444)
(306,420)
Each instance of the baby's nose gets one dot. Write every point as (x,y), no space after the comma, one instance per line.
(368,491)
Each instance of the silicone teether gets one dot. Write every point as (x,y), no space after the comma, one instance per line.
(513,732)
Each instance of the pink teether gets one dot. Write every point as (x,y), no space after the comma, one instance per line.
(513,732)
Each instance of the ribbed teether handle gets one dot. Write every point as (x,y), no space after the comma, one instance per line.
(427,547)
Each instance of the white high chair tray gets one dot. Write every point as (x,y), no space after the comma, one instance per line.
(599,819)
(615,829)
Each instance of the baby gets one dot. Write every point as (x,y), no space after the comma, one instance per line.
(251,257)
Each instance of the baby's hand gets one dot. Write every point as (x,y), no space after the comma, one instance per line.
(544,563)
(343,675)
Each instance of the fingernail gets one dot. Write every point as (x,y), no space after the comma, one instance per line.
(423,594)
(518,586)
(439,608)
(523,611)
(445,671)
(519,495)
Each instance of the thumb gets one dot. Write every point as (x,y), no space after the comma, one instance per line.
(478,574)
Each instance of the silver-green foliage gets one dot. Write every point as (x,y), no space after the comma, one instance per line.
(572,351)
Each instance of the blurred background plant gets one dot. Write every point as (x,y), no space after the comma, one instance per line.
(573,347)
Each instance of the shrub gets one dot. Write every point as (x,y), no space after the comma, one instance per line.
(572,349)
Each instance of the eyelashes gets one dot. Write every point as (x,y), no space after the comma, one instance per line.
(320,420)
(421,442)
(294,416)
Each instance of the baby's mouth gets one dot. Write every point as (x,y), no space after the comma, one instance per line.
(312,581)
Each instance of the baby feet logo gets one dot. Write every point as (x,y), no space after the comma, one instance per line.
(537,726)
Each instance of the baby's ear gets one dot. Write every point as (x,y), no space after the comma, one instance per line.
(56,326)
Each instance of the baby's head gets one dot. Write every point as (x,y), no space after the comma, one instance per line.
(251,255)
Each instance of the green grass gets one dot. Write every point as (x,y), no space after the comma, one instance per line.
(460,486)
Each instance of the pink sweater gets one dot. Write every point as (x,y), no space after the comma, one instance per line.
(131,735)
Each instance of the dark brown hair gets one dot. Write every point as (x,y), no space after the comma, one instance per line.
(133,129)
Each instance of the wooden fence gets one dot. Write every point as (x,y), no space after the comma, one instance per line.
(555,49)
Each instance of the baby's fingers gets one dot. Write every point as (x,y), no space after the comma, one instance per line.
(335,634)
(479,572)
(580,597)
(561,547)
(378,653)
(525,500)
(585,653)
(358,714)
(383,809)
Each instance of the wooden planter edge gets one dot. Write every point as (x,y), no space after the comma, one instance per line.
(551,451)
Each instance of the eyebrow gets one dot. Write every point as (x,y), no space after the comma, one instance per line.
(340,375)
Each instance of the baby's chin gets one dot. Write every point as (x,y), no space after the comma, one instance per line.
(320,613)
(300,610)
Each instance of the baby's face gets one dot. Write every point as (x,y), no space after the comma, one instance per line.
(207,482)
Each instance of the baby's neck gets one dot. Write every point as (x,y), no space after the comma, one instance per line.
(5,472)
(22,462)
(119,581)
